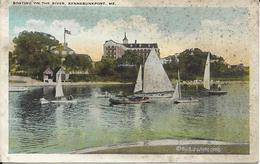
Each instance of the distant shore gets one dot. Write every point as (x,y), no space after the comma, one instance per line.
(38,83)
(23,81)
(35,84)
(171,146)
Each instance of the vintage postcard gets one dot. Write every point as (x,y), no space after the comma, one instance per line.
(129,81)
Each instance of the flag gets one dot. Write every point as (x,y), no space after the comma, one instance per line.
(67,31)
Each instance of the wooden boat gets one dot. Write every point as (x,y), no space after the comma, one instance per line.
(206,81)
(129,100)
(216,92)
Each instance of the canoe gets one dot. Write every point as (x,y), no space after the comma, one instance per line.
(44,101)
(213,92)
(129,100)
(186,101)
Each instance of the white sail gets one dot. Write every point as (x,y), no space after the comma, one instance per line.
(58,89)
(179,84)
(206,80)
(176,94)
(139,81)
(177,91)
(155,77)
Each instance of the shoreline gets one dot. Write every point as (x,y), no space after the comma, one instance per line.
(169,146)
(39,84)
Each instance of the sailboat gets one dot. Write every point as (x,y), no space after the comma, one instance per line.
(59,95)
(152,81)
(132,99)
(206,80)
(177,97)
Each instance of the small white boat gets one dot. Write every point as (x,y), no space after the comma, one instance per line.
(206,81)
(17,89)
(177,98)
(59,96)
(188,100)
(104,95)
(44,101)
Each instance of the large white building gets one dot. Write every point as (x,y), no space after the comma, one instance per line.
(117,50)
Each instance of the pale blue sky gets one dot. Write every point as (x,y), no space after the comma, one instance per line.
(173,19)
(221,30)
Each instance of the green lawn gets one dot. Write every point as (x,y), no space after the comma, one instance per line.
(173,149)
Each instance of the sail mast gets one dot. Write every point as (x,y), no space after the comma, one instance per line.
(58,89)
(177,91)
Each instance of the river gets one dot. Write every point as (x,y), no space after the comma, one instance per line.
(93,122)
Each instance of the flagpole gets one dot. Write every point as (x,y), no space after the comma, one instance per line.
(64,37)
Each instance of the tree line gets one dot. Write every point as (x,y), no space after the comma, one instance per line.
(35,51)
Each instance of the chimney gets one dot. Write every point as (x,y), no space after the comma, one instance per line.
(135,41)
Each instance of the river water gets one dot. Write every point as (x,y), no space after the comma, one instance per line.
(92,122)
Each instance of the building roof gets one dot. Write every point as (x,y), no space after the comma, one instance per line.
(48,71)
(111,41)
(61,70)
(136,45)
(141,45)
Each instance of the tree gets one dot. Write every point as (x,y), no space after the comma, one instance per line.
(12,62)
(131,58)
(78,62)
(106,67)
(32,52)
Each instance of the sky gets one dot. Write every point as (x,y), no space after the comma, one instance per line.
(220,30)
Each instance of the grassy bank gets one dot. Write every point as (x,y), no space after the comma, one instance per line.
(97,78)
(173,149)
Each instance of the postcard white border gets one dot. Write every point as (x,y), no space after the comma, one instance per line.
(254,88)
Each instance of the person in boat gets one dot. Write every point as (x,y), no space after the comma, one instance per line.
(70,97)
(219,87)
(145,98)
(106,93)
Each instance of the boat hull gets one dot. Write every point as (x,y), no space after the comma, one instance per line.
(186,101)
(64,101)
(212,92)
(217,92)
(156,95)
(125,100)
(44,101)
